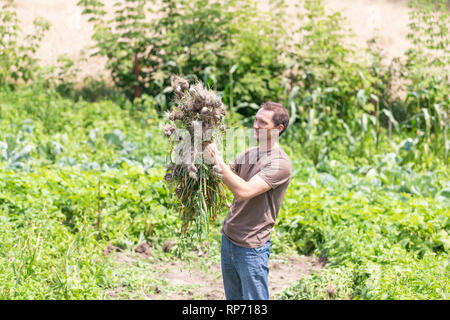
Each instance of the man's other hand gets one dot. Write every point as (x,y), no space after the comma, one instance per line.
(210,153)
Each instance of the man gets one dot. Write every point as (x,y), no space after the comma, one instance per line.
(258,180)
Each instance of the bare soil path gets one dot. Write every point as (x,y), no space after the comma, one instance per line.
(173,279)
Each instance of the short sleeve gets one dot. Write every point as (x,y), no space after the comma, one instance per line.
(276,172)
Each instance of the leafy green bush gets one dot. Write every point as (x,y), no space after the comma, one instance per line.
(17,63)
(373,225)
(210,40)
(426,69)
(39,127)
(406,279)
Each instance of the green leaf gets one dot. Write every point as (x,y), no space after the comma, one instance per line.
(391,118)
(369,107)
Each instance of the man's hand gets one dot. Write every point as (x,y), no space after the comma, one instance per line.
(241,189)
(211,154)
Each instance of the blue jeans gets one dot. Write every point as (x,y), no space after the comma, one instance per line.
(245,271)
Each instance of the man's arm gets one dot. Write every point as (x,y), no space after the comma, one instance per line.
(241,189)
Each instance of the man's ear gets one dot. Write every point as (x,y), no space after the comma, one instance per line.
(280,128)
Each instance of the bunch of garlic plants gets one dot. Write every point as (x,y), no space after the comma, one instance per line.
(196,121)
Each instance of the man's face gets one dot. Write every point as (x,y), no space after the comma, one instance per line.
(263,125)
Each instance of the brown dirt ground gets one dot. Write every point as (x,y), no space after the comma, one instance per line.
(198,284)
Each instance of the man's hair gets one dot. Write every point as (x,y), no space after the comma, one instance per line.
(280,114)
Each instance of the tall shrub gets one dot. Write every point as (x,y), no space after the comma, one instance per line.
(230,45)
(17,63)
(428,74)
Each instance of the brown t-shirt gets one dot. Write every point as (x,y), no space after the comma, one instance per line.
(249,222)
